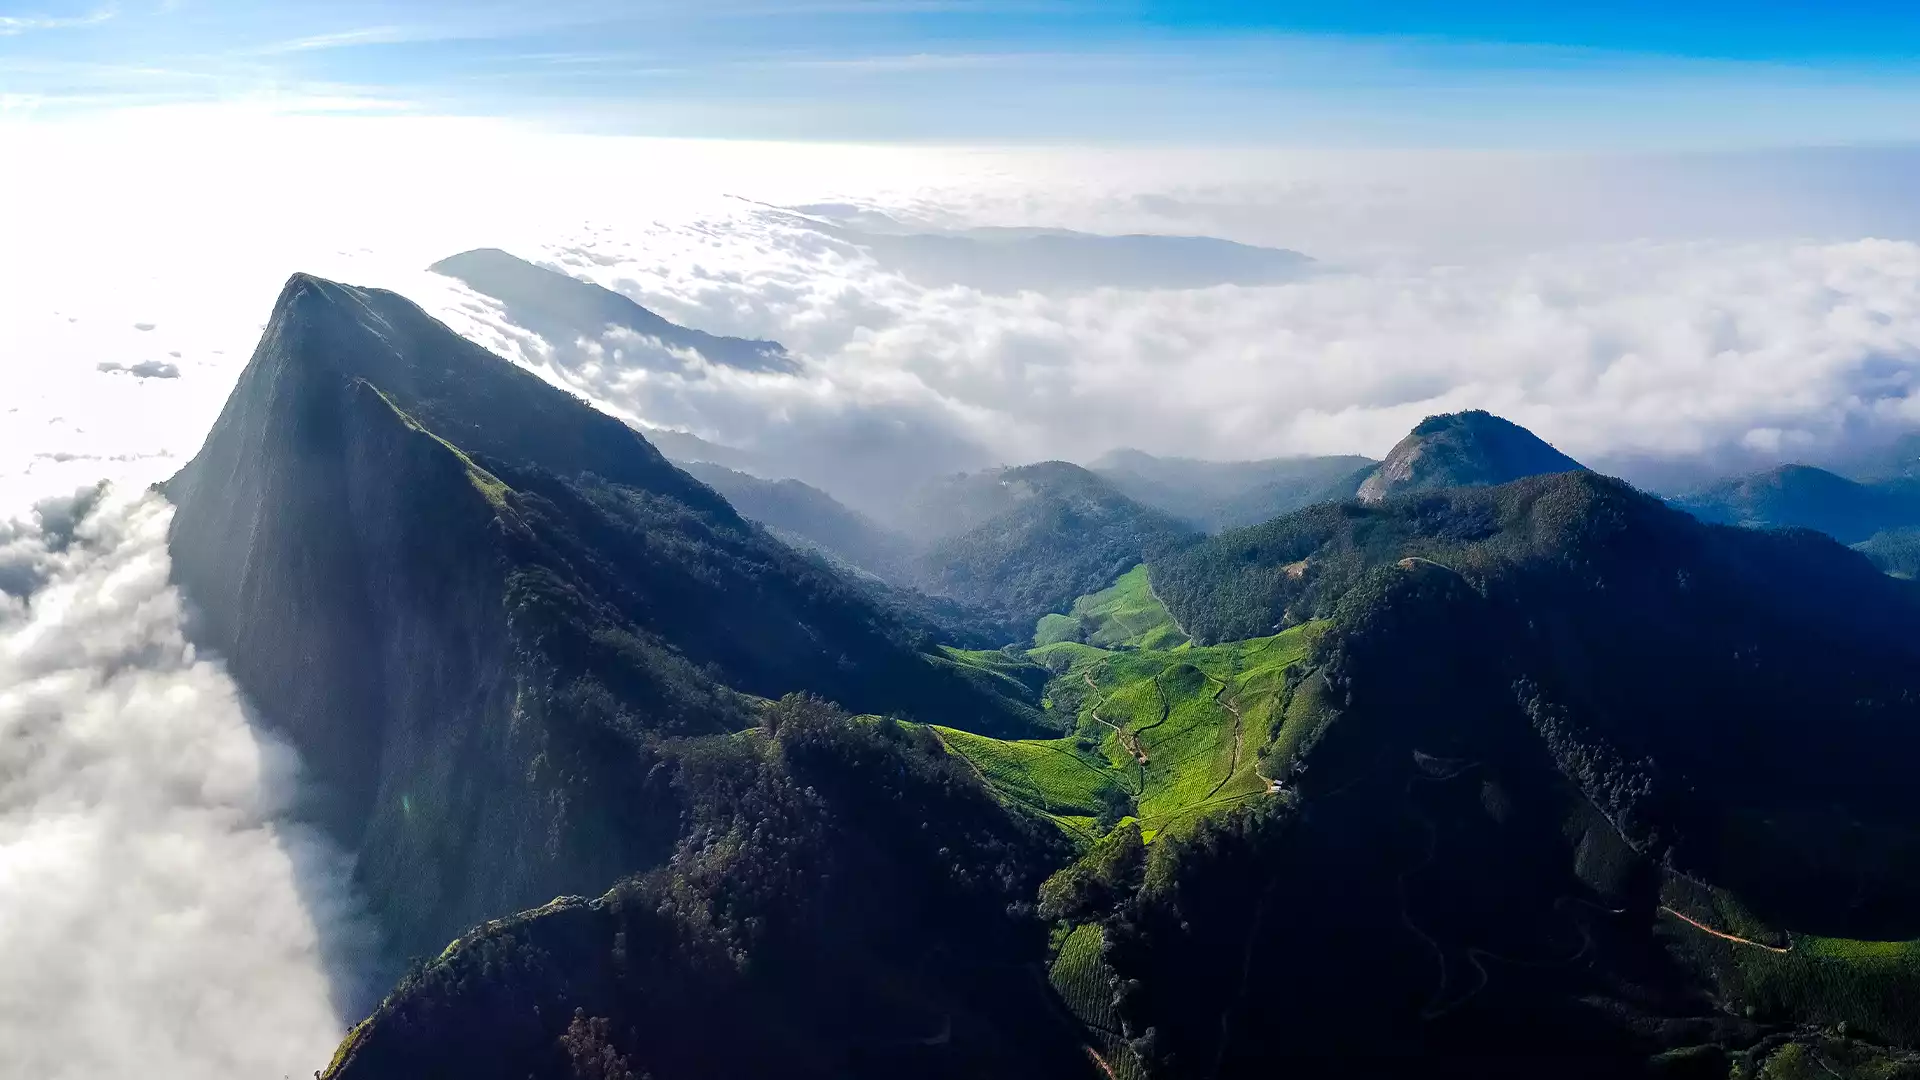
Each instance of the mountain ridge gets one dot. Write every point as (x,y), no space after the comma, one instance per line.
(476,607)
(1803,496)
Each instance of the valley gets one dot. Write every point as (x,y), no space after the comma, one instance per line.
(1505,752)
(1159,735)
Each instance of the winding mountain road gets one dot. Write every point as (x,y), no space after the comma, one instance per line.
(1722,934)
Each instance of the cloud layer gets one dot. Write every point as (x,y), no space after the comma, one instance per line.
(1719,354)
(1722,310)
(158,916)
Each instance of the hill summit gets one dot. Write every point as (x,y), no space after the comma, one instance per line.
(1463,449)
(484,612)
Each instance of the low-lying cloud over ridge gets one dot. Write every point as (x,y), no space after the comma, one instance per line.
(1719,354)
(159,917)
(1723,311)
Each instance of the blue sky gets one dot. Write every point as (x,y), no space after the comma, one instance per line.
(1652,74)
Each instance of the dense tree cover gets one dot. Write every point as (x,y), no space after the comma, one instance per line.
(529,657)
(837,905)
(1215,495)
(1063,533)
(763,618)
(1535,705)
(1896,551)
(1801,496)
(1250,582)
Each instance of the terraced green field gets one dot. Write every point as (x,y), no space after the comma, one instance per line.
(1124,615)
(1054,777)
(1164,735)
(1086,986)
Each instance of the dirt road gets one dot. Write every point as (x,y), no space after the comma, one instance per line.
(1735,938)
(1127,739)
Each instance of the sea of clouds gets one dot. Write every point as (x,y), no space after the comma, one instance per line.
(1727,311)
(160,914)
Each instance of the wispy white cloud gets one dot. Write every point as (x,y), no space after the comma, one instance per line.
(1727,308)
(15,25)
(1723,352)
(344,39)
(921,61)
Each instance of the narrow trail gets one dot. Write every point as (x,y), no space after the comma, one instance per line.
(1735,938)
(988,783)
(1233,761)
(1127,739)
(1439,1005)
(951,752)
(1171,617)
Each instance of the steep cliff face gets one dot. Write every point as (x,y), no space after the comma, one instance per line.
(477,607)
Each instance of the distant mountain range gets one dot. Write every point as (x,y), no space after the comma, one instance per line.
(808,518)
(1215,495)
(1800,496)
(1473,762)
(1009,260)
(559,307)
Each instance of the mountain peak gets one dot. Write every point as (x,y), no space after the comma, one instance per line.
(1464,449)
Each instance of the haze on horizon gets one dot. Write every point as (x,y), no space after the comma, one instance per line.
(1675,240)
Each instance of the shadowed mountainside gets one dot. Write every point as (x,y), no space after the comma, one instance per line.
(809,518)
(1542,716)
(479,609)
(837,907)
(1542,776)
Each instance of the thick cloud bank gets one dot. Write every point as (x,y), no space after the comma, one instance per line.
(1722,354)
(1706,311)
(158,919)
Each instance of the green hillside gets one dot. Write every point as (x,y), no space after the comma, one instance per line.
(1052,532)
(1546,778)
(1155,729)
(479,609)
(1123,615)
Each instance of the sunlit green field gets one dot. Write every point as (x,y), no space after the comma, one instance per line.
(1198,717)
